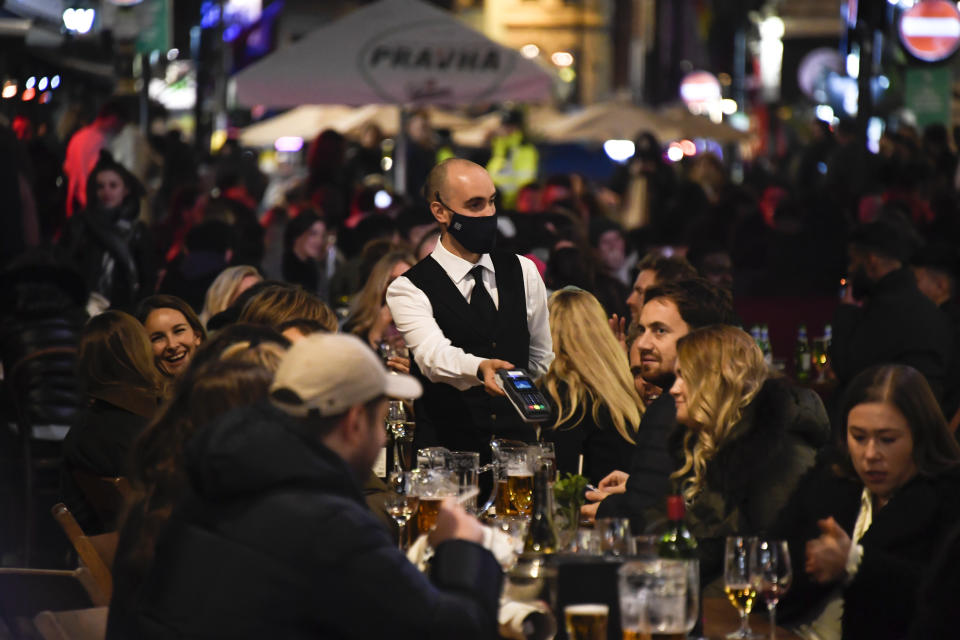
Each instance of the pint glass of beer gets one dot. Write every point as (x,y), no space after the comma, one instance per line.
(431,486)
(586,621)
(513,466)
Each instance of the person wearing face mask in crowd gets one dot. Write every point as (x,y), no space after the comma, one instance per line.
(467,311)
(883,317)
(109,243)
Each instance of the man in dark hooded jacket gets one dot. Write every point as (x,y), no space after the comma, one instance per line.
(276,541)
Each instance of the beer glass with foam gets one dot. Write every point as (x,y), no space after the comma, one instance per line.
(513,469)
(431,486)
(586,621)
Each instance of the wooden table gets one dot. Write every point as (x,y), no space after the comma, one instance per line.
(720,618)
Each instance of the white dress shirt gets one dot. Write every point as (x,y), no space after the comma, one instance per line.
(433,352)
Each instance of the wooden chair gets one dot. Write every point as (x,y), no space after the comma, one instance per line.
(24,593)
(95,552)
(82,624)
(105,494)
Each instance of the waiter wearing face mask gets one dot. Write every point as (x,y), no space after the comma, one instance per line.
(467,311)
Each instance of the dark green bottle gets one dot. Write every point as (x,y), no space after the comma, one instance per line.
(541,536)
(676,541)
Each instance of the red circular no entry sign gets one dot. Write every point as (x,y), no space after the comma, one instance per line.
(930,30)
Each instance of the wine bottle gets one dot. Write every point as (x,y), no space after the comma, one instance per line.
(541,536)
(676,541)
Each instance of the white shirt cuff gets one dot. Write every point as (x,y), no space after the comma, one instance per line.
(854,558)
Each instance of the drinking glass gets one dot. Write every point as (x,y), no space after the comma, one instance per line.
(658,597)
(400,504)
(645,546)
(521,464)
(771,574)
(396,426)
(466,465)
(614,536)
(516,528)
(433,458)
(548,458)
(819,358)
(587,542)
(586,621)
(737,581)
(513,469)
(432,486)
(392,345)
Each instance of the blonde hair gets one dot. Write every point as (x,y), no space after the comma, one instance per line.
(590,362)
(368,302)
(276,304)
(264,354)
(223,291)
(723,370)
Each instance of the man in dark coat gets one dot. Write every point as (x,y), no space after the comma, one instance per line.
(936,268)
(670,311)
(884,318)
(276,541)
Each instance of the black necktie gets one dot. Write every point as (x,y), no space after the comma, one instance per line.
(480,301)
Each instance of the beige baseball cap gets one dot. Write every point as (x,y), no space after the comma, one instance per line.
(331,372)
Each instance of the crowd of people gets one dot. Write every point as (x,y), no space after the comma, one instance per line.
(235,350)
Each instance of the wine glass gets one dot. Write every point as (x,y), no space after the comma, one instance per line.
(737,581)
(400,504)
(392,345)
(395,422)
(771,574)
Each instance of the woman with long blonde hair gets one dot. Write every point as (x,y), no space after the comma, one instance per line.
(222,293)
(589,381)
(747,437)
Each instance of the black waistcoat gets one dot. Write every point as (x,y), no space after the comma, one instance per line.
(466,420)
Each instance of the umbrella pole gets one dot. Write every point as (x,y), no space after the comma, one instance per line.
(400,153)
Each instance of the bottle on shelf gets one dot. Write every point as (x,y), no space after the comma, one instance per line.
(541,536)
(802,354)
(765,345)
(675,541)
(755,334)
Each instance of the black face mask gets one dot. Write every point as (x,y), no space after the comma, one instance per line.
(477,234)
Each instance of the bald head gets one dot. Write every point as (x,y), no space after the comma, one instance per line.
(439,177)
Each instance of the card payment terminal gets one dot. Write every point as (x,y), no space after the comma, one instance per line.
(523,394)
